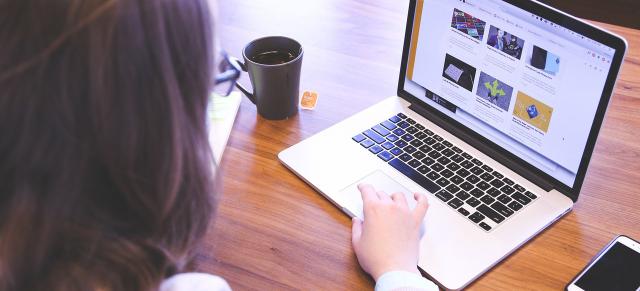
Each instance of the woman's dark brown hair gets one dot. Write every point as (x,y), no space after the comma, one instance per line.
(105,168)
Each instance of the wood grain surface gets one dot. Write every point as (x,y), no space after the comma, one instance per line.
(274,232)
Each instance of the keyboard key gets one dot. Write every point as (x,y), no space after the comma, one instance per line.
(400,143)
(457,179)
(381,130)
(416,143)
(524,200)
(485,226)
(414,175)
(476,217)
(419,126)
(429,141)
(463,211)
(438,138)
(437,167)
(463,173)
(410,149)
(410,121)
(455,203)
(507,189)
(442,182)
(401,115)
(434,154)
(483,185)
(392,137)
(466,186)
(387,145)
(456,149)
(473,202)
(502,209)
(419,155)
(486,199)
(399,131)
(415,163)
(457,158)
(433,176)
(389,125)
(519,188)
(428,161)
(358,138)
(423,169)
(395,119)
(466,156)
(375,149)
(407,137)
(515,206)
(530,195)
(487,168)
(403,124)
(385,156)
(396,151)
(473,179)
(477,170)
(453,167)
(452,188)
(486,176)
(463,195)
(405,157)
(504,199)
(438,147)
(477,162)
(447,143)
(446,173)
(448,152)
(420,135)
(411,130)
(466,164)
(497,183)
(476,192)
(508,181)
(490,213)
(493,192)
(444,160)
(429,132)
(367,143)
(425,148)
(498,175)
(374,136)
(444,195)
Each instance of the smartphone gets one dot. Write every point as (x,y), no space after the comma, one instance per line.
(615,267)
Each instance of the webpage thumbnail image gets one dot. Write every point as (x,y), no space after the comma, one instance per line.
(459,72)
(505,42)
(494,91)
(468,24)
(533,111)
(544,60)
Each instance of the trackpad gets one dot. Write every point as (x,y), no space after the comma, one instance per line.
(381,182)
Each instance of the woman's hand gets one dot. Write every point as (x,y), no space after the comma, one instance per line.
(387,240)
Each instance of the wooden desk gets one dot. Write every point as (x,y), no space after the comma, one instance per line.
(273,231)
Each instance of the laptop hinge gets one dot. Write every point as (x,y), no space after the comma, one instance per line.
(486,149)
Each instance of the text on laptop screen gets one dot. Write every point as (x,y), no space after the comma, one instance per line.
(525,83)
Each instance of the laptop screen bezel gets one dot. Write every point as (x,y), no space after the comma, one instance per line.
(561,19)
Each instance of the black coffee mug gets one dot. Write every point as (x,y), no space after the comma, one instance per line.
(274,65)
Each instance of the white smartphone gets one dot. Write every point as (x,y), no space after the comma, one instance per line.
(615,267)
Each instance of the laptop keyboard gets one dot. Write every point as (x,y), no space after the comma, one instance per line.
(484,196)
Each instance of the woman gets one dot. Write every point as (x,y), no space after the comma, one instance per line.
(106,180)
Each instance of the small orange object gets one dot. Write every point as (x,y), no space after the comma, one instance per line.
(309,100)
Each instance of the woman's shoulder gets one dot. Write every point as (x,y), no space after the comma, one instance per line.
(194,282)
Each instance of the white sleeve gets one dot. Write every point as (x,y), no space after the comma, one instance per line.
(194,282)
(403,280)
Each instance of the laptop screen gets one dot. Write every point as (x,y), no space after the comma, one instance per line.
(529,85)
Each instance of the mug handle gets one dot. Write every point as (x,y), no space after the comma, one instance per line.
(241,65)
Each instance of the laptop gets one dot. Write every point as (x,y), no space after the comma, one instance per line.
(497,112)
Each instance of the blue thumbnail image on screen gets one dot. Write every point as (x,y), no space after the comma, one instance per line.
(532,110)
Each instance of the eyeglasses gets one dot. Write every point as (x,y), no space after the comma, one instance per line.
(229,74)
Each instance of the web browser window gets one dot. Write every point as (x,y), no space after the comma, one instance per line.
(529,85)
